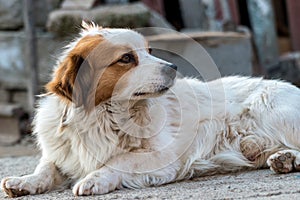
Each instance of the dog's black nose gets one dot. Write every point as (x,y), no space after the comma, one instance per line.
(173,66)
(169,71)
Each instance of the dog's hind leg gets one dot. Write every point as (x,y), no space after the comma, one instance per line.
(45,178)
(284,161)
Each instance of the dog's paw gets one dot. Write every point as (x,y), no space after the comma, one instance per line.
(284,161)
(16,186)
(99,182)
(29,184)
(92,186)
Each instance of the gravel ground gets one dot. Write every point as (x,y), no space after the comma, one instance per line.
(261,184)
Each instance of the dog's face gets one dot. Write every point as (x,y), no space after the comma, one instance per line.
(110,63)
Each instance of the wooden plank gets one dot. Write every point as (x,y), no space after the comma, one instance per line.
(263,24)
(198,35)
(198,14)
(293,7)
(206,55)
(31,51)
(235,17)
(157,5)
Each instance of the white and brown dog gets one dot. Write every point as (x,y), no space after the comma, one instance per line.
(114,117)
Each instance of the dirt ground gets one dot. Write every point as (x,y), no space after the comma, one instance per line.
(261,184)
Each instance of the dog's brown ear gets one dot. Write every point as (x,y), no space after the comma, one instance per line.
(72,80)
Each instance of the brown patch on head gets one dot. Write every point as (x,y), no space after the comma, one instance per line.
(108,80)
(111,75)
(89,73)
(63,82)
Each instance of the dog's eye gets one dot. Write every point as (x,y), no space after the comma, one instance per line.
(127,58)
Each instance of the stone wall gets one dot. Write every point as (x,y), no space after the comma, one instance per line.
(11,13)
(12,47)
(13,72)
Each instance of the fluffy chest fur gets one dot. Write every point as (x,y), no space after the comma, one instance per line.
(79,143)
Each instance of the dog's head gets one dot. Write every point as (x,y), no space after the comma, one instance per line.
(109,63)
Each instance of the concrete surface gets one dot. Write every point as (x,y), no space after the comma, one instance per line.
(261,184)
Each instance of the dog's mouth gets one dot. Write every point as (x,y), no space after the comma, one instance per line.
(160,90)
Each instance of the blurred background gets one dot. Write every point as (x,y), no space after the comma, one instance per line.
(243,37)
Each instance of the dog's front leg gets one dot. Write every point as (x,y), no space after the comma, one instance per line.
(44,178)
(130,170)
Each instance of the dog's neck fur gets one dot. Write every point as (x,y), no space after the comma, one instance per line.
(120,117)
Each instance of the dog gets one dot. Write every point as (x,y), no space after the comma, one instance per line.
(114,116)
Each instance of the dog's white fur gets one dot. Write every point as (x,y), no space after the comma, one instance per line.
(193,129)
